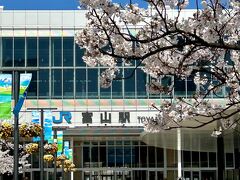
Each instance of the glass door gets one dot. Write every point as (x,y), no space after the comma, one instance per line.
(187,175)
(191,175)
(208,175)
(152,175)
(196,175)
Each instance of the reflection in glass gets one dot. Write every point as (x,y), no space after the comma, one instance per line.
(204,159)
(111,156)
(56,53)
(105,93)
(141,84)
(78,56)
(43,83)
(86,157)
(68,51)
(152,156)
(7,51)
(186,158)
(92,83)
(31,51)
(81,83)
(43,51)
(117,87)
(32,89)
(57,83)
(129,83)
(179,87)
(68,83)
(19,52)
(195,159)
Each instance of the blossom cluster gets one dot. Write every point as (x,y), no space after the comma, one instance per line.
(165,41)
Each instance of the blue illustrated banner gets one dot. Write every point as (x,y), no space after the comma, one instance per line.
(70,154)
(36,120)
(5,96)
(47,124)
(48,121)
(59,142)
(66,148)
(25,80)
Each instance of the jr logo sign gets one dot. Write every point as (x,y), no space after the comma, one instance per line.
(67,116)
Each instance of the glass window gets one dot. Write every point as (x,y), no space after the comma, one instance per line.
(127,156)
(92,83)
(171,158)
(117,87)
(111,156)
(56,45)
(68,83)
(179,87)
(31,51)
(229,160)
(186,158)
(78,56)
(154,95)
(43,83)
(212,159)
(152,156)
(204,159)
(81,83)
(141,83)
(57,83)
(7,51)
(127,142)
(129,83)
(32,89)
(191,86)
(103,158)
(86,157)
(105,93)
(68,51)
(19,52)
(135,156)
(43,51)
(119,156)
(143,156)
(195,159)
(160,157)
(94,156)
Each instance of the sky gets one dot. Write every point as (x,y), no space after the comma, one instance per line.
(60,4)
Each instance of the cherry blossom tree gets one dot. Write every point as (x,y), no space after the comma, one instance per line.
(6,158)
(165,42)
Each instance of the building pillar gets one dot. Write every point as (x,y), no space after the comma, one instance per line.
(236,155)
(179,152)
(220,158)
(165,163)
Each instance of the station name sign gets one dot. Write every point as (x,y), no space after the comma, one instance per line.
(98,118)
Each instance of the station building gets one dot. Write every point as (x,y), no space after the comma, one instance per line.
(104,126)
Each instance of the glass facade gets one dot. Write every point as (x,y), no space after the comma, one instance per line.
(63,74)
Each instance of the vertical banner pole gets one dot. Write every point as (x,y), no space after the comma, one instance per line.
(41,147)
(16,128)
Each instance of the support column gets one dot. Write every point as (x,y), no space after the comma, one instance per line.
(165,163)
(236,154)
(179,152)
(220,158)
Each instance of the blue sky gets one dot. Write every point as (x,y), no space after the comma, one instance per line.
(59,4)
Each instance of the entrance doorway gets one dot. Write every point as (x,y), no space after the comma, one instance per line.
(208,175)
(191,175)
